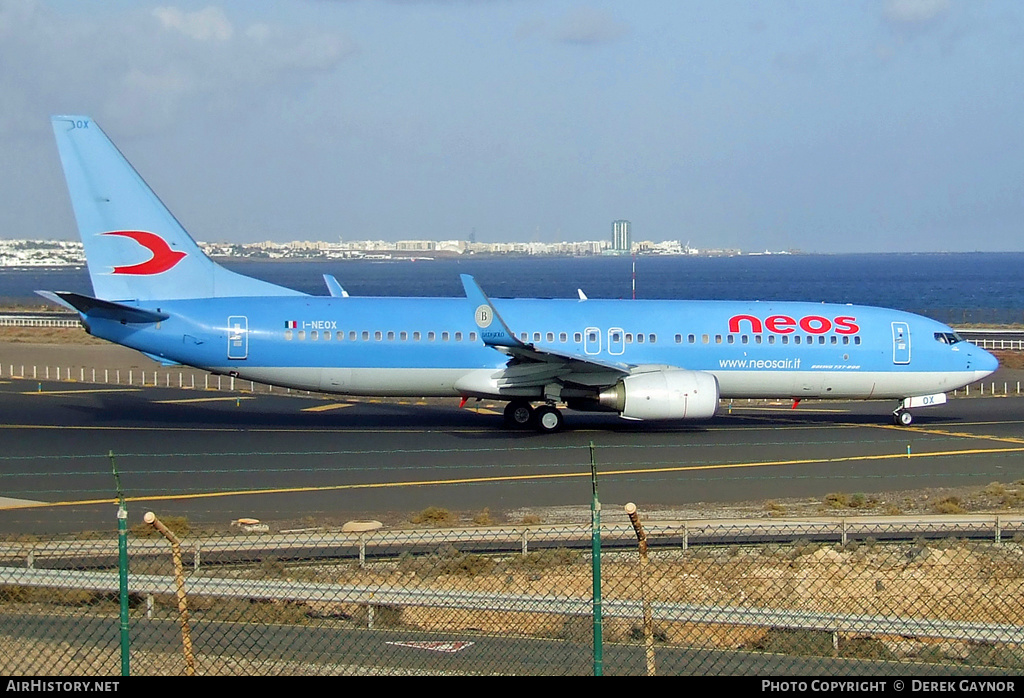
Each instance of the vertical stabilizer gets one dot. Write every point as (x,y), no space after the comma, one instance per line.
(134,247)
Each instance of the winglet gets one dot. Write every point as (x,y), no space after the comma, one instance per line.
(493,330)
(334,287)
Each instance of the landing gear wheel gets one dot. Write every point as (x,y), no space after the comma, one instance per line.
(548,419)
(902,418)
(518,414)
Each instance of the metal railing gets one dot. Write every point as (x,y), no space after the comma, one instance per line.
(302,603)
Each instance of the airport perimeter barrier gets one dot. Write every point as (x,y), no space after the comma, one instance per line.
(645,598)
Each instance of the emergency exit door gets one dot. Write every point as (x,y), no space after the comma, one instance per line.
(900,343)
(238,337)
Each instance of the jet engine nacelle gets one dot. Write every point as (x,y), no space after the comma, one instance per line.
(666,394)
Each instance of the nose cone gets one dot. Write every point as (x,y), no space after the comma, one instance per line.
(983,363)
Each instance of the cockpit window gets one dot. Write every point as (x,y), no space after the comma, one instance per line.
(948,337)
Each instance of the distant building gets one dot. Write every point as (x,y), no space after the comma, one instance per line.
(621,238)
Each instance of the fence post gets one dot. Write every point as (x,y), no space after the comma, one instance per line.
(641,537)
(595,535)
(179,578)
(122,566)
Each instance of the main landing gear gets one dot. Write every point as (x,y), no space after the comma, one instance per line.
(547,419)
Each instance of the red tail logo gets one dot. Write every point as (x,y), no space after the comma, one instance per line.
(163,258)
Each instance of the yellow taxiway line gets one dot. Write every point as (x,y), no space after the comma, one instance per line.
(202,399)
(326,408)
(536,476)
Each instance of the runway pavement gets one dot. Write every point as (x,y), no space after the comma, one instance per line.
(297,460)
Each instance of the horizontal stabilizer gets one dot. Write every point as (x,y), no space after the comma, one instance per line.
(106,310)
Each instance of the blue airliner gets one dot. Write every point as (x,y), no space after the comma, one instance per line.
(155,291)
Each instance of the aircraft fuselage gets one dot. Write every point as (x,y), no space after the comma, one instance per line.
(425,346)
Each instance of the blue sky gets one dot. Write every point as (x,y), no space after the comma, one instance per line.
(875,126)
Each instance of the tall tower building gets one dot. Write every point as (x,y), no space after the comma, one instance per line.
(621,240)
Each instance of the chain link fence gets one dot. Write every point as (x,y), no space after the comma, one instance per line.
(715,598)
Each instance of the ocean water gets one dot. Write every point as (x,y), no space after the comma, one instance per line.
(956,288)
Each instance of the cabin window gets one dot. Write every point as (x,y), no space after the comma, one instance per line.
(472,336)
(551,336)
(744,339)
(430,336)
(730,339)
(378,336)
(365,336)
(704,339)
(577,337)
(652,338)
(846,340)
(718,339)
(563,337)
(771,339)
(327,335)
(629,338)
(415,336)
(639,338)
(313,335)
(692,339)
(352,336)
(796,339)
(391,335)
(856,340)
(757,339)
(458,336)
(444,336)
(403,336)
(302,335)
(288,335)
(785,339)
(536,336)
(679,339)
(523,336)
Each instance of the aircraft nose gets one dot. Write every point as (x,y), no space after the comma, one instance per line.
(984,363)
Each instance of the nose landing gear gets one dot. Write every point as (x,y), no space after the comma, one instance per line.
(902,418)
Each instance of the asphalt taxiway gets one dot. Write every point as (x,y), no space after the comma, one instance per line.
(217,456)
